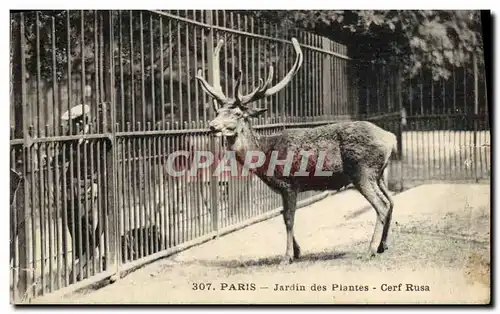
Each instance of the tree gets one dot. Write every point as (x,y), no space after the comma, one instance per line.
(436,40)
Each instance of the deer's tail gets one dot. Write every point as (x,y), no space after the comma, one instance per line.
(394,145)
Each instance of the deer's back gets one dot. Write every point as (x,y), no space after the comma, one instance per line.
(342,144)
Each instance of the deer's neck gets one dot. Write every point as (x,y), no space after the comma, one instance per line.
(245,141)
(247,146)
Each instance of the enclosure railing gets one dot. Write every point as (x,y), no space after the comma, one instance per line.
(442,123)
(95,199)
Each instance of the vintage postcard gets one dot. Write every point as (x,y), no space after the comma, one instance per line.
(250,157)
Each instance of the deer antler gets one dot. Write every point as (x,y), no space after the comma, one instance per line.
(262,90)
(216,90)
(265,89)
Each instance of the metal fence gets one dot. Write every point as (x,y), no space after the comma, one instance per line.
(442,124)
(135,70)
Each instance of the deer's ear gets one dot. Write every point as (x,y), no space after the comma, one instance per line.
(255,112)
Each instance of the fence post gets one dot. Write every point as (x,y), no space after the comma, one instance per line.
(326,79)
(214,184)
(23,212)
(401,125)
(476,114)
(112,259)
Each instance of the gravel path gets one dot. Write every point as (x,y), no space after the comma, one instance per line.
(439,241)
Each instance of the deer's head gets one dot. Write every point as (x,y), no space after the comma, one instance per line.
(232,114)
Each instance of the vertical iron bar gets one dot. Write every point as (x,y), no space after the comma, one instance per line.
(78,206)
(198,183)
(188,78)
(247,59)
(401,127)
(141,195)
(154,193)
(187,189)
(149,202)
(196,92)
(453,117)
(444,130)
(476,115)
(213,179)
(96,72)
(162,76)
(93,208)
(277,98)
(331,82)
(33,207)
(68,58)
(179,70)
(82,81)
(114,224)
(185,192)
(178,211)
(153,66)
(336,63)
(132,71)
(433,121)
(192,205)
(100,196)
(65,198)
(143,79)
(41,119)
(58,202)
(131,232)
(82,56)
(308,80)
(253,81)
(165,198)
(120,60)
(15,220)
(55,121)
(86,209)
(170,68)
(71,210)
(315,71)
(122,195)
(42,217)
(422,91)
(171,197)
(38,79)
(102,54)
(204,97)
(266,50)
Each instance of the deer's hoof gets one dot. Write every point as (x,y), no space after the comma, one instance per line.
(371,254)
(287,260)
(382,248)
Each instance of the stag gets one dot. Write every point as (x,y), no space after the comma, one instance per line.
(355,152)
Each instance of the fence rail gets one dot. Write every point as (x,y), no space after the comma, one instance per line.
(98,203)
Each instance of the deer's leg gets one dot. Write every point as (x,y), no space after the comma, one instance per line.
(390,205)
(292,247)
(368,186)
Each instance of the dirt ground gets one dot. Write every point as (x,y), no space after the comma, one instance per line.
(439,243)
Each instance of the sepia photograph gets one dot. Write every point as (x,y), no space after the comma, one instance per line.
(178,157)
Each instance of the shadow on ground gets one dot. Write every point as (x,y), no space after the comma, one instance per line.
(267,261)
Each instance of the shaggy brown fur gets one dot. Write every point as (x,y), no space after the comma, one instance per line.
(356,152)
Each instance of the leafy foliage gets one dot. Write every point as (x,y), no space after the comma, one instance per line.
(422,39)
